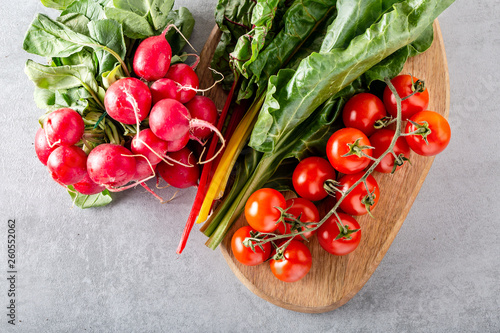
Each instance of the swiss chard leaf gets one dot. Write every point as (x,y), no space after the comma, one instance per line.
(61,77)
(393,64)
(281,180)
(89,201)
(320,76)
(300,21)
(234,19)
(249,45)
(353,18)
(108,33)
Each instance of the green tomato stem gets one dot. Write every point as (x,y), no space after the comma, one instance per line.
(390,150)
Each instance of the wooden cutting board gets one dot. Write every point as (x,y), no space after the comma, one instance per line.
(332,280)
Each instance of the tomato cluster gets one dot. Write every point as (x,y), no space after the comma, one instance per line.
(349,151)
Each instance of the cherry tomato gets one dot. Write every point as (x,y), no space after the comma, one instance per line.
(362,111)
(296,262)
(310,175)
(307,212)
(410,106)
(352,203)
(260,210)
(438,138)
(381,140)
(329,231)
(244,254)
(338,145)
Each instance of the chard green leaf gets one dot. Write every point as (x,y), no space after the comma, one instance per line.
(281,180)
(89,201)
(62,77)
(322,75)
(301,21)
(312,43)
(249,45)
(48,38)
(393,64)
(353,18)
(234,19)
(184,21)
(76,22)
(57,4)
(108,33)
(423,42)
(134,26)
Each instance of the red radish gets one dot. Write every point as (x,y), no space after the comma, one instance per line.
(170,120)
(143,169)
(201,107)
(177,175)
(64,127)
(147,143)
(111,165)
(67,165)
(177,145)
(185,76)
(165,88)
(42,147)
(87,186)
(127,98)
(152,58)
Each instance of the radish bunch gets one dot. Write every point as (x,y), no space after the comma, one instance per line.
(161,107)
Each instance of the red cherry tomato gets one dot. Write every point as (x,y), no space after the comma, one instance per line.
(410,106)
(329,231)
(296,262)
(362,111)
(381,140)
(337,146)
(352,203)
(438,138)
(244,254)
(310,175)
(260,210)
(307,212)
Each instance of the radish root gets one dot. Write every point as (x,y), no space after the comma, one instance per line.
(180,33)
(206,89)
(202,124)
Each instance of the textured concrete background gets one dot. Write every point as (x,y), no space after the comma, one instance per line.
(114,269)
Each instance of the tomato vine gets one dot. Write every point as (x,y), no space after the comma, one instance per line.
(260,239)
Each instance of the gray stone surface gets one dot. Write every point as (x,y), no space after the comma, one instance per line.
(115,270)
